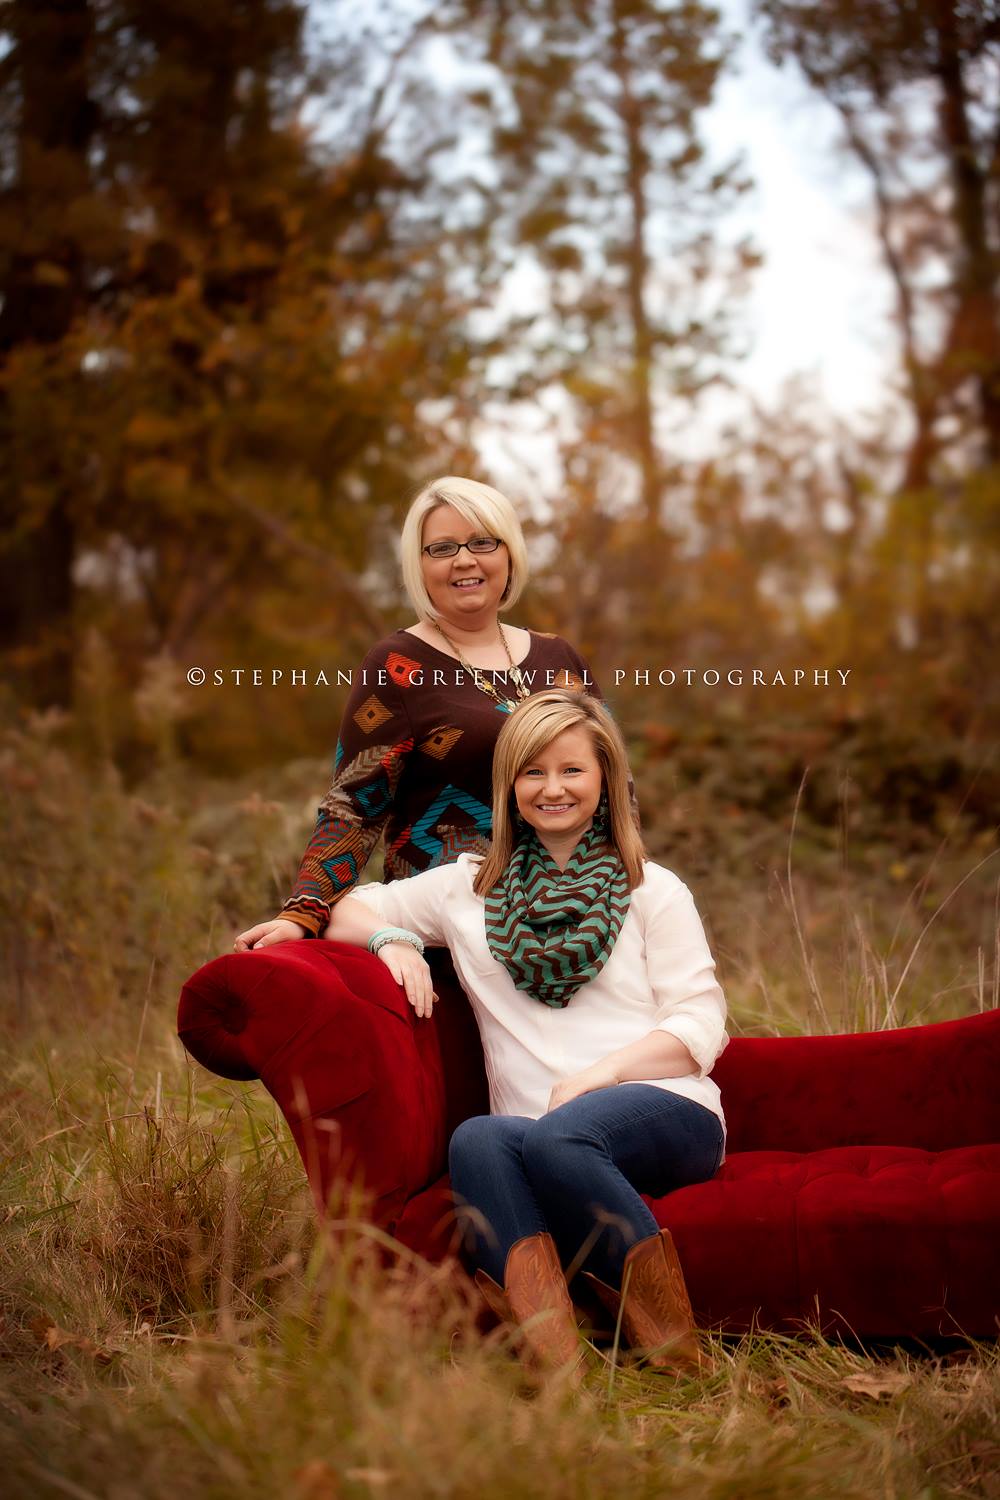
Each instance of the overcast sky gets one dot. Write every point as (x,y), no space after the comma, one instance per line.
(822,300)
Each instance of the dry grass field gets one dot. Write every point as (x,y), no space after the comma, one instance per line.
(171,1324)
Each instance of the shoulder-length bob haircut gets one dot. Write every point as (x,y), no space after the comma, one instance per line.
(481,506)
(534,724)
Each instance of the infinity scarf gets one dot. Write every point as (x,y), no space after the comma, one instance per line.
(554,930)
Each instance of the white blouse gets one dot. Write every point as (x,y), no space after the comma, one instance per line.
(660,976)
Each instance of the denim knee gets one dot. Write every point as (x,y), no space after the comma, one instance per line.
(472,1139)
(547,1145)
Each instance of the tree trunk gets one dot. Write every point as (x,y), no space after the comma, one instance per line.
(978,321)
(42,294)
(638,271)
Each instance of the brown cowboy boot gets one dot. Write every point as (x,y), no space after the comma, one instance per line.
(535,1297)
(656,1317)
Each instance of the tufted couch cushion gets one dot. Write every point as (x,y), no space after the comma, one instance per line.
(874,1239)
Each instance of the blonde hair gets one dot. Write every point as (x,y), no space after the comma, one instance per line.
(534,724)
(478,504)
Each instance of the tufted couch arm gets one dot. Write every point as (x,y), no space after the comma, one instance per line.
(329,1032)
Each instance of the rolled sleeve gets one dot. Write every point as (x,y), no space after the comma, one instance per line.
(690,1004)
(705,1041)
(418,903)
(371,896)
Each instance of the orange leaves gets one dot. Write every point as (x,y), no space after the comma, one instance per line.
(316,1480)
(53,1338)
(151,430)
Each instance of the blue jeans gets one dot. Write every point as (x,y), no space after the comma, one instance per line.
(577,1173)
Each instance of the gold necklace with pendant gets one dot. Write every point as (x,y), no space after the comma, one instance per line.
(507,704)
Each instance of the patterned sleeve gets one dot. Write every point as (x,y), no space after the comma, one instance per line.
(375,739)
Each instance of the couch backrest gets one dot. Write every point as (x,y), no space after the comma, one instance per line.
(933,1087)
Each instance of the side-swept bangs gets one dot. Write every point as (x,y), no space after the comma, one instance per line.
(481,506)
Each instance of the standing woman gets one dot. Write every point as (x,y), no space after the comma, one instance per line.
(415,750)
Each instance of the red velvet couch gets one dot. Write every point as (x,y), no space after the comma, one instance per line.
(861,1187)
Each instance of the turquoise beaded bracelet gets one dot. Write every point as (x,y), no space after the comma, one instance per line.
(386,935)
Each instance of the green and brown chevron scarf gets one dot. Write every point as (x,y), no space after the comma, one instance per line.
(553,929)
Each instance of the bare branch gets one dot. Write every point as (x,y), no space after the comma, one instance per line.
(922,388)
(345,584)
(884,206)
(204,595)
(375,132)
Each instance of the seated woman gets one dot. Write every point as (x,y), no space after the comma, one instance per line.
(595,993)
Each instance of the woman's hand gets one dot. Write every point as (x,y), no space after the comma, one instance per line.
(280,930)
(411,971)
(599,1076)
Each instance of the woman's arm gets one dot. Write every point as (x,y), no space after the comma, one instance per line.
(690,1005)
(419,905)
(355,921)
(374,741)
(367,766)
(658,1055)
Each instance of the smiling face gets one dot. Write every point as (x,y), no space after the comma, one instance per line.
(466,589)
(558,790)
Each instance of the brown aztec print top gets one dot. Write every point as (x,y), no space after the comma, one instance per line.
(414,762)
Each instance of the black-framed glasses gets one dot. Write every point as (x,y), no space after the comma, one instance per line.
(477,545)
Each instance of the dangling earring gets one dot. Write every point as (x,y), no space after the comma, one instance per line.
(602,816)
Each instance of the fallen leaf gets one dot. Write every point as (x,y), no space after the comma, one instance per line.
(53,1337)
(776,1391)
(316,1480)
(146,812)
(46,1332)
(889,1383)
